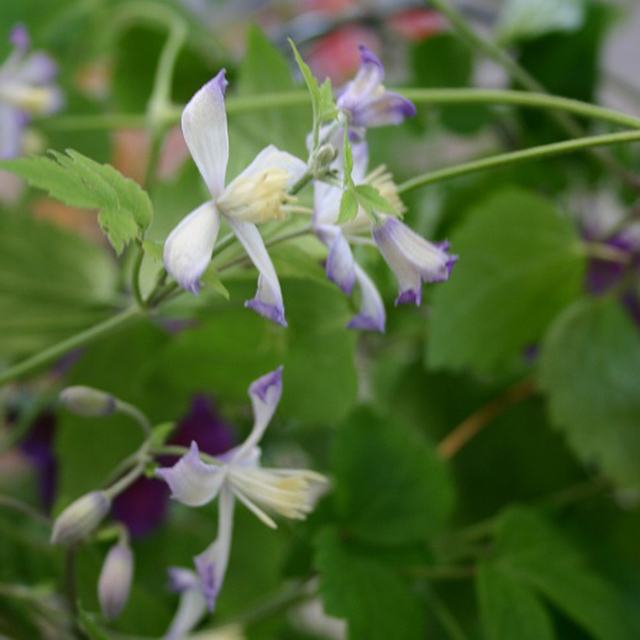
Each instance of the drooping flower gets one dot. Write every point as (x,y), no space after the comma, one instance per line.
(412,258)
(26,89)
(365,100)
(238,474)
(257,195)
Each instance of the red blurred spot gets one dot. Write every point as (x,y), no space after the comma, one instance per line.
(336,55)
(418,24)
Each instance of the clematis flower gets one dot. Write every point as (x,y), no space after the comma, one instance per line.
(365,100)
(26,89)
(257,195)
(238,475)
(412,258)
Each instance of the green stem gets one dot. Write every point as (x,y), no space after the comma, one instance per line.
(248,104)
(523,78)
(446,619)
(17,505)
(515,157)
(79,340)
(126,481)
(301,184)
(136,414)
(135,278)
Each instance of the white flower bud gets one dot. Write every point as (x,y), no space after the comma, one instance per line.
(115,580)
(80,518)
(86,401)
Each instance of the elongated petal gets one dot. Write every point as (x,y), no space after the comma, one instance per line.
(212,563)
(383,109)
(37,68)
(191,609)
(268,301)
(326,207)
(340,262)
(412,258)
(367,80)
(204,125)
(187,250)
(372,316)
(192,481)
(272,158)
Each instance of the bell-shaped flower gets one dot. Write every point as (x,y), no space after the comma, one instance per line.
(365,100)
(238,474)
(412,258)
(259,194)
(26,89)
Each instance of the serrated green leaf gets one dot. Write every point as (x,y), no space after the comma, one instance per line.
(124,208)
(376,603)
(520,264)
(589,370)
(379,457)
(371,200)
(348,206)
(531,552)
(508,609)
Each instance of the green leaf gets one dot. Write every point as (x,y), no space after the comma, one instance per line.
(211,280)
(240,340)
(90,625)
(371,200)
(522,19)
(124,209)
(376,603)
(508,609)
(326,102)
(153,249)
(520,264)
(52,284)
(390,486)
(589,369)
(309,78)
(265,70)
(161,432)
(532,553)
(348,206)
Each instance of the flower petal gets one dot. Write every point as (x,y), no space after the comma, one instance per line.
(326,203)
(212,562)
(191,610)
(265,393)
(268,301)
(372,315)
(192,481)
(37,68)
(12,124)
(367,80)
(412,258)
(384,109)
(272,158)
(188,249)
(340,262)
(204,125)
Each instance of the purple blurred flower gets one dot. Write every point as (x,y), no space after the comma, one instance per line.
(26,89)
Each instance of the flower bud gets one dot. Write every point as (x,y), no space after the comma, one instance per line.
(322,158)
(86,401)
(80,518)
(115,580)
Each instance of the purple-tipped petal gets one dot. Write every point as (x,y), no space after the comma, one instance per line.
(188,249)
(265,393)
(412,259)
(369,77)
(212,563)
(192,481)
(192,607)
(388,108)
(340,262)
(268,301)
(204,125)
(372,316)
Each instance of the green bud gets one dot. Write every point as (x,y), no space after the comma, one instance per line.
(86,401)
(322,158)
(80,518)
